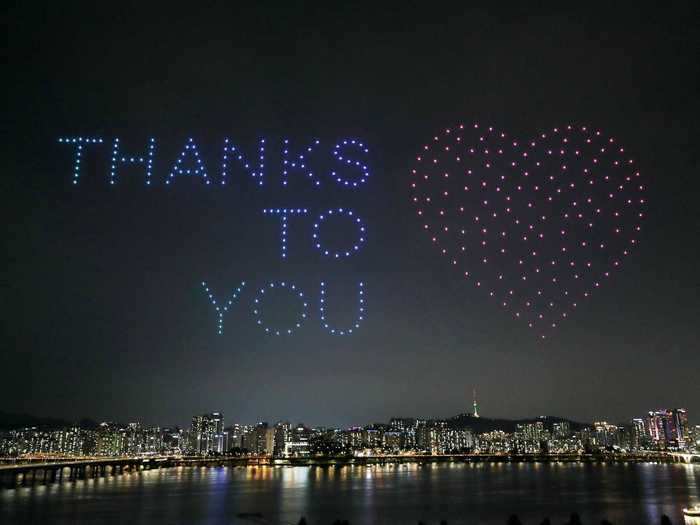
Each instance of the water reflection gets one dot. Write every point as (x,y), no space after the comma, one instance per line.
(691,472)
(625,494)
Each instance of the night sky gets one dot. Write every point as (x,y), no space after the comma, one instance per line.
(103,313)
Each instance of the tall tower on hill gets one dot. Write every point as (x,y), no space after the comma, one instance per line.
(476,406)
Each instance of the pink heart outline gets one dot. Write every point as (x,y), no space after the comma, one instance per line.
(483,187)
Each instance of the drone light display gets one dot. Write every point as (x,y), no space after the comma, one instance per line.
(538,225)
(190,163)
(223,307)
(360,311)
(258,305)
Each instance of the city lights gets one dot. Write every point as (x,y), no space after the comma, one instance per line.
(661,435)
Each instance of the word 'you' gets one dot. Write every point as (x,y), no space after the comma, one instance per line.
(268,292)
(349,170)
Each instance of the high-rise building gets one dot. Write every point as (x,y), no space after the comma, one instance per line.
(680,430)
(220,436)
(261,440)
(291,441)
(406,427)
(393,441)
(352,438)
(529,437)
(401,424)
(605,434)
(283,431)
(173,440)
(236,436)
(668,428)
(248,439)
(198,435)
(640,437)
(297,443)
(110,440)
(422,434)
(496,441)
(208,434)
(655,427)
(561,430)
(530,431)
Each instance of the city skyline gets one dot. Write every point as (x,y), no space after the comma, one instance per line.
(657,430)
(471,407)
(217,416)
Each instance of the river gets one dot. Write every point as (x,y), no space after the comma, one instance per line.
(477,493)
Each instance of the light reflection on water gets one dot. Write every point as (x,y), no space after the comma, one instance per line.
(625,494)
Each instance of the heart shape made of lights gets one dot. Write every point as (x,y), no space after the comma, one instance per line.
(538,224)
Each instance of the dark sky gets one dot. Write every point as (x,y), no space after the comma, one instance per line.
(102,310)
